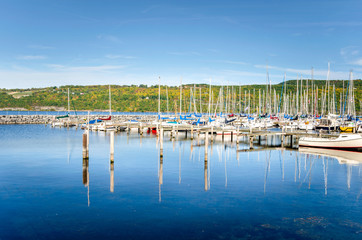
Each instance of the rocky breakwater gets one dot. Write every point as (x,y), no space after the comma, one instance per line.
(25,119)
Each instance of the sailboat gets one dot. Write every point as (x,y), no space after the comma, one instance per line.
(59,122)
(350,142)
(107,126)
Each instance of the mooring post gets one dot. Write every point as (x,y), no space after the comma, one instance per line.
(282,140)
(85,154)
(237,135)
(192,132)
(128,129)
(141,129)
(206,141)
(222,135)
(212,133)
(251,142)
(112,145)
(161,141)
(232,134)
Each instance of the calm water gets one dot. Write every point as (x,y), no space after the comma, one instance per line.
(48,192)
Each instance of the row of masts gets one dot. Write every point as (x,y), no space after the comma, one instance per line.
(307,99)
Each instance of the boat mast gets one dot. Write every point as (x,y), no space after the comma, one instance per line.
(181,97)
(110,104)
(167,99)
(159,95)
(68,102)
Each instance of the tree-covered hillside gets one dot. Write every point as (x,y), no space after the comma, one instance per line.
(145,99)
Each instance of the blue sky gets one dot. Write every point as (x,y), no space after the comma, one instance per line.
(53,43)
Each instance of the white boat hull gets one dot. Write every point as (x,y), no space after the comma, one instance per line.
(343,142)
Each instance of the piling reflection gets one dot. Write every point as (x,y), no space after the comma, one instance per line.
(293,166)
(86,176)
(160,176)
(111,184)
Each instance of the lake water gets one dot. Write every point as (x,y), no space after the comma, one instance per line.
(47,191)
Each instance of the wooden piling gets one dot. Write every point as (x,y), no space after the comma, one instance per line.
(161,141)
(206,141)
(251,139)
(192,132)
(85,148)
(222,135)
(112,146)
(237,135)
(212,133)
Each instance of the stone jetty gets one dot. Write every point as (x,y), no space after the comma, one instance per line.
(47,119)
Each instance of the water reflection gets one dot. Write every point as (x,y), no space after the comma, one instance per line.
(160,175)
(111,184)
(86,176)
(300,163)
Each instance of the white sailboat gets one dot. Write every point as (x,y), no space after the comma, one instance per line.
(351,142)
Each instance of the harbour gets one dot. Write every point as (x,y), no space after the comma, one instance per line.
(182,120)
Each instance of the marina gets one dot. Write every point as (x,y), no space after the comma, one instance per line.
(182,120)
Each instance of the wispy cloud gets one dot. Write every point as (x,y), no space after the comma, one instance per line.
(85,68)
(358,62)
(115,56)
(291,70)
(110,38)
(185,53)
(31,57)
(233,62)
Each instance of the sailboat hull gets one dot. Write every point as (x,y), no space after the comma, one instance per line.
(343,142)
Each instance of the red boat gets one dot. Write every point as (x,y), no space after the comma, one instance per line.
(105,119)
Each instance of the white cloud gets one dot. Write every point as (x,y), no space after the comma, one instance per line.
(358,62)
(185,53)
(85,68)
(113,56)
(234,62)
(31,57)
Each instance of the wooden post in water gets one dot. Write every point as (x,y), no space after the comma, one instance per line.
(192,132)
(282,140)
(222,135)
(206,141)
(251,139)
(232,135)
(237,135)
(141,129)
(85,146)
(161,141)
(128,129)
(212,133)
(112,145)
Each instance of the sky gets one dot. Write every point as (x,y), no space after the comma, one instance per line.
(88,42)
